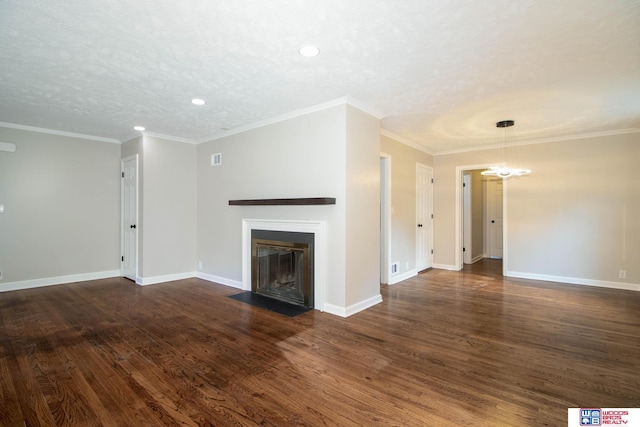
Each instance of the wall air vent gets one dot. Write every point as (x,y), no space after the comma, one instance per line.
(395,267)
(216,159)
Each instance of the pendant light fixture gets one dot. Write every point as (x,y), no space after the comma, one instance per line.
(506,171)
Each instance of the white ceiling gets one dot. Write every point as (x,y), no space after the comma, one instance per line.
(440,72)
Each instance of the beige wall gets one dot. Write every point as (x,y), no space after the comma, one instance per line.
(166,208)
(478,199)
(61,198)
(168,198)
(576,218)
(363,207)
(403,199)
(300,157)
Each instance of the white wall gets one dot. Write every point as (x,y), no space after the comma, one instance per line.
(61,219)
(576,218)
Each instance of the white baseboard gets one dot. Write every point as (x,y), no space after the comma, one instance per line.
(477,258)
(220,280)
(354,308)
(575,281)
(446,267)
(60,280)
(145,281)
(397,278)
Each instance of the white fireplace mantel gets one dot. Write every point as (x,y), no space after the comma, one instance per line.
(318,228)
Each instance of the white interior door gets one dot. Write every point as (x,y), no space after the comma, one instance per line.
(494,216)
(130,217)
(424,219)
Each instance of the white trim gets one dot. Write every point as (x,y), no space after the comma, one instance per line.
(60,280)
(169,137)
(478,258)
(466,218)
(59,133)
(318,228)
(354,308)
(446,267)
(541,141)
(403,276)
(293,114)
(405,141)
(575,281)
(219,280)
(505,228)
(360,105)
(145,281)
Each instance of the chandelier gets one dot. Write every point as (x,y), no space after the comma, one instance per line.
(505,171)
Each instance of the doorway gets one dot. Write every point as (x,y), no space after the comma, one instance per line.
(485,238)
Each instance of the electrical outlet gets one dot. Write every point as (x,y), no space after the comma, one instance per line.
(0,274)
(622,274)
(199,265)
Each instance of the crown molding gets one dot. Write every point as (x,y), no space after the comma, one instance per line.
(360,105)
(542,140)
(169,137)
(405,141)
(59,133)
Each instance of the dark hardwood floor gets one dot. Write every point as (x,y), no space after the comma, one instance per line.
(443,349)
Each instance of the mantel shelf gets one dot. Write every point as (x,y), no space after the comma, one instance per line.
(284,202)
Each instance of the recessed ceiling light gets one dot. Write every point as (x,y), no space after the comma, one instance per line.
(138,128)
(309,51)
(197,101)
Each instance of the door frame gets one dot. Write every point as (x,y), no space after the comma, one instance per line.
(385,217)
(459,216)
(466,218)
(122,213)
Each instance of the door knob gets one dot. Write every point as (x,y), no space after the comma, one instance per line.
(419,225)
(133,226)
(493,221)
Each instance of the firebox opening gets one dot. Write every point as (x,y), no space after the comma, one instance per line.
(282,265)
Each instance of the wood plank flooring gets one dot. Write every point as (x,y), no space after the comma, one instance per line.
(445,348)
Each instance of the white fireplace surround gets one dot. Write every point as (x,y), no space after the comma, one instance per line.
(318,228)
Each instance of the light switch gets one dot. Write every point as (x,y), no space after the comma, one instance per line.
(1,208)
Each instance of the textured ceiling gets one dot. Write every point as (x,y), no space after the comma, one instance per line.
(440,72)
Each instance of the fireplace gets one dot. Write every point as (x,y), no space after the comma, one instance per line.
(282,265)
